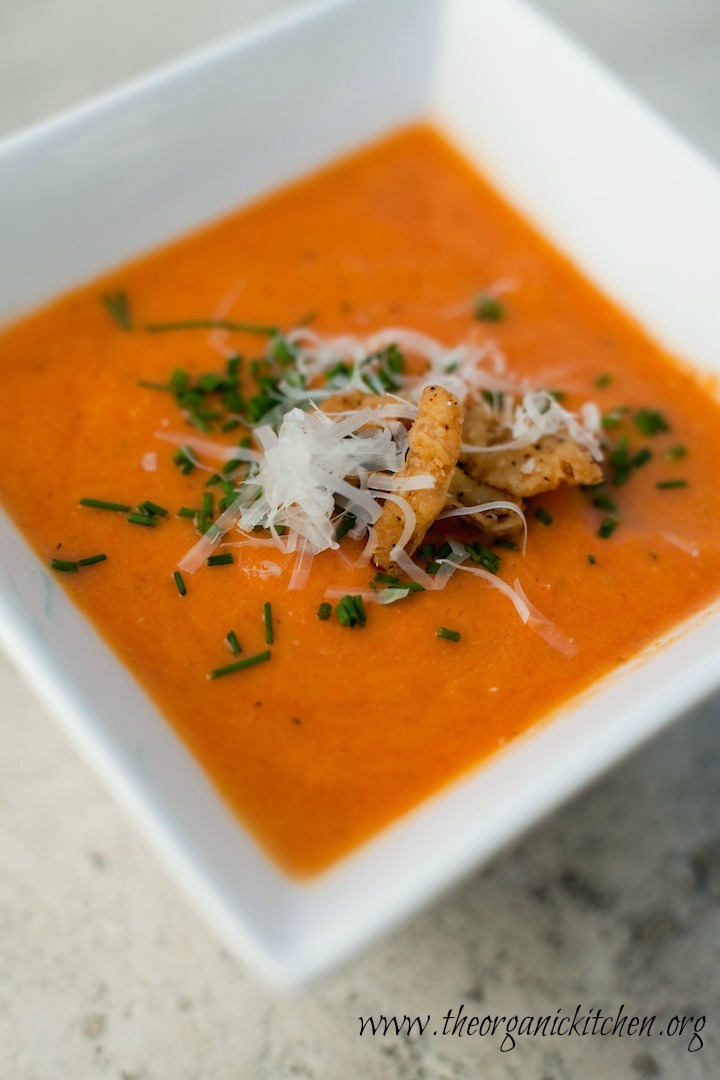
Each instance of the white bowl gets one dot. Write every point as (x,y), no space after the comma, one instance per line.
(632,205)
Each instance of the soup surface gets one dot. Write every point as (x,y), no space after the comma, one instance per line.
(344,728)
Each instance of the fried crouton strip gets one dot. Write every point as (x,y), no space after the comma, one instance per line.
(493,524)
(433,447)
(530,470)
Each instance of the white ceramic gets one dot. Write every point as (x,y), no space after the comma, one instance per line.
(627,199)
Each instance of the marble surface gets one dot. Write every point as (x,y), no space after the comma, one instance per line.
(105,971)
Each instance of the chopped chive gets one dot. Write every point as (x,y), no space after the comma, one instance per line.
(351,611)
(641,458)
(559,395)
(426,552)
(65,566)
(602,381)
(181,587)
(142,519)
(324,611)
(210,382)
(432,567)
(216,478)
(543,517)
(360,608)
(179,381)
(91,560)
(233,366)
(147,384)
(240,665)
(268,619)
(345,617)
(611,420)
(488,308)
(479,554)
(666,485)
(507,544)
(411,586)
(187,512)
(152,508)
(344,526)
(444,552)
(207,504)
(232,466)
(184,460)
(118,307)
(233,643)
(592,560)
(100,504)
(448,635)
(209,324)
(385,579)
(676,453)
(604,502)
(223,559)
(650,421)
(607,527)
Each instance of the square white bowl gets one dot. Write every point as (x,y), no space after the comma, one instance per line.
(636,209)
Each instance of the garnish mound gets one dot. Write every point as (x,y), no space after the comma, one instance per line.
(378,439)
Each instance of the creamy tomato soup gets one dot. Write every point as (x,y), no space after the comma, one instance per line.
(349,715)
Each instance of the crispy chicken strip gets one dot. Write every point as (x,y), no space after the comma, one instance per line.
(434,447)
(542,466)
(493,524)
(531,470)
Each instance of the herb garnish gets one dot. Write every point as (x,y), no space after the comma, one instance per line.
(181,587)
(488,308)
(351,611)
(210,324)
(118,307)
(70,566)
(543,516)
(647,421)
(603,502)
(482,555)
(324,611)
(65,566)
(152,508)
(602,381)
(607,527)
(448,635)
(241,665)
(142,519)
(184,460)
(101,504)
(91,560)
(268,620)
(666,485)
(623,463)
(591,559)
(650,422)
(676,453)
(233,643)
(344,525)
(223,559)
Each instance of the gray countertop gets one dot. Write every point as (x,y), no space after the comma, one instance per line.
(106,971)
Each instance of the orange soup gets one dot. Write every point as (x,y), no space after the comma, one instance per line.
(350,721)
